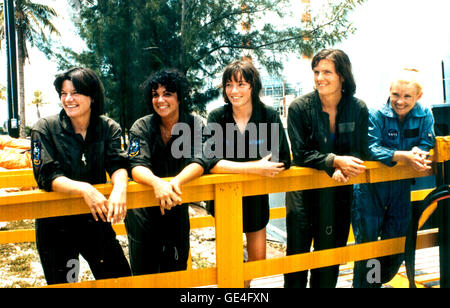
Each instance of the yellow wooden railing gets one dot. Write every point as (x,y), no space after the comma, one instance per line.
(227,191)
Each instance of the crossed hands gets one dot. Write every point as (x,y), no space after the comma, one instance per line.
(418,159)
(347,167)
(113,209)
(168,194)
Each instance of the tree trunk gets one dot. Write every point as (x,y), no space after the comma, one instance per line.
(181,60)
(38,112)
(21,64)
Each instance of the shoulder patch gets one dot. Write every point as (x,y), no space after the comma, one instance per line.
(36,153)
(134,148)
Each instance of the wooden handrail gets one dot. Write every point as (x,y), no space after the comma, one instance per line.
(227,191)
(28,235)
(39,204)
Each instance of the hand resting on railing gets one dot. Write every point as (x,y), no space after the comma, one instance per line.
(347,167)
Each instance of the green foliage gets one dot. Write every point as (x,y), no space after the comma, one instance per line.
(34,26)
(2,93)
(128,40)
(38,101)
(2,23)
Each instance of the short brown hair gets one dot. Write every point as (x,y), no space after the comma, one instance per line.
(86,82)
(342,65)
(242,69)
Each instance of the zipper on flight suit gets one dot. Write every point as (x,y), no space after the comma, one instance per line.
(83,159)
(83,153)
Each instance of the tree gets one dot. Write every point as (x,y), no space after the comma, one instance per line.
(2,92)
(33,20)
(38,101)
(2,24)
(127,40)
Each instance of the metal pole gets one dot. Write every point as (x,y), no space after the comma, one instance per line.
(444,81)
(443,177)
(11,87)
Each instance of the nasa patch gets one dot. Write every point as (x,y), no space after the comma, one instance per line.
(134,148)
(36,153)
(392,134)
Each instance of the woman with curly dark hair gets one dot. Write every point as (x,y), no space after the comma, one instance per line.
(159,238)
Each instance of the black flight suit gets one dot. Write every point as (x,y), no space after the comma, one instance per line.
(246,147)
(160,243)
(322,214)
(58,151)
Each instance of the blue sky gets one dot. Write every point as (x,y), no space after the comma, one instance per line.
(390,34)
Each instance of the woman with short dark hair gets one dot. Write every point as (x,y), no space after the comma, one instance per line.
(71,152)
(328,131)
(247,71)
(264,149)
(87,83)
(342,65)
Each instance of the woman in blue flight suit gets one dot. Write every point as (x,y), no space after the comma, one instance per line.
(402,130)
(71,152)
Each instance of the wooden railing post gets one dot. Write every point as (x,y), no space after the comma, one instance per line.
(227,190)
(229,244)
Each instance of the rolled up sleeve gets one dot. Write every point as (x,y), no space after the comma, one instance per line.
(116,157)
(45,167)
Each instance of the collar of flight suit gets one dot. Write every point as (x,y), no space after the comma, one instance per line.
(93,130)
(417,111)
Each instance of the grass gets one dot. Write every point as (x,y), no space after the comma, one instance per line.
(16,268)
(19,225)
(20,264)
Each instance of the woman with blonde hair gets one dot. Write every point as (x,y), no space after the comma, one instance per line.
(402,130)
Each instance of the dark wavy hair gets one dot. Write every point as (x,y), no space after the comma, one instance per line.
(174,81)
(245,69)
(342,65)
(86,82)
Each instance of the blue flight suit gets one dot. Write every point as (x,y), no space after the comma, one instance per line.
(384,209)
